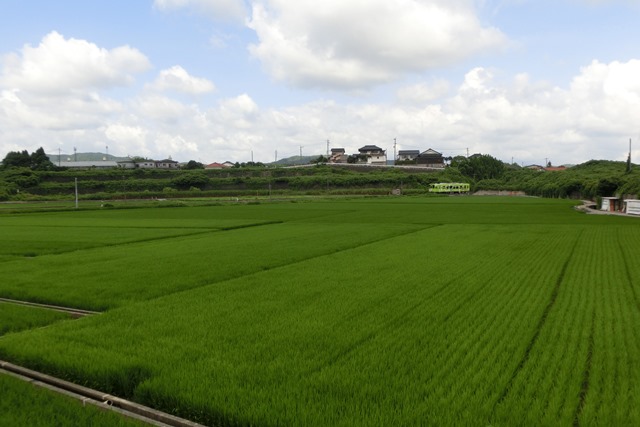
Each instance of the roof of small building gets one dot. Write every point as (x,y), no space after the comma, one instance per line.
(88,164)
(215,165)
(430,152)
(370,148)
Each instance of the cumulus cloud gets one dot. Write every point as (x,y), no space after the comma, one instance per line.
(423,92)
(593,117)
(58,66)
(177,79)
(214,9)
(355,44)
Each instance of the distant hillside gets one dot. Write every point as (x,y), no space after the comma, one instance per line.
(83,157)
(295,160)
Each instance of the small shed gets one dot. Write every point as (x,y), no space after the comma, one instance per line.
(632,206)
(611,204)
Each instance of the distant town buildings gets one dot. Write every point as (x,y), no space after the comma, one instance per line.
(148,164)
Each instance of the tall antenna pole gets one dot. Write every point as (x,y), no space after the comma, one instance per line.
(75,155)
(301,152)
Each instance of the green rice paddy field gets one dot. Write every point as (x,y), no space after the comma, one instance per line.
(373,312)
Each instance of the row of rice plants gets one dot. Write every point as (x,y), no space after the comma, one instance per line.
(473,210)
(451,356)
(23,404)
(143,218)
(582,367)
(111,276)
(34,240)
(415,327)
(612,390)
(15,318)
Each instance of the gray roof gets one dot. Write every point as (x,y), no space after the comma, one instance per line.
(89,164)
(370,148)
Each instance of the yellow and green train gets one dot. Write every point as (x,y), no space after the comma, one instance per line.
(450,187)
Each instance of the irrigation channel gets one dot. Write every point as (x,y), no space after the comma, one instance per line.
(84,394)
(74,312)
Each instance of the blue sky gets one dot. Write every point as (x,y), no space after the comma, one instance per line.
(216,80)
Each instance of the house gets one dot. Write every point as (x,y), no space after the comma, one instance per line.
(535,168)
(430,159)
(127,164)
(167,164)
(407,155)
(555,168)
(338,155)
(148,164)
(373,154)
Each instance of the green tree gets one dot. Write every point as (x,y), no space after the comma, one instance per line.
(479,167)
(190,179)
(17,159)
(192,164)
(40,161)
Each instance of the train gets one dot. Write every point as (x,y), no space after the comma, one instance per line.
(450,187)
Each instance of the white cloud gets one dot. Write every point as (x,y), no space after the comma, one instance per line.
(591,118)
(214,9)
(356,44)
(177,79)
(423,92)
(58,66)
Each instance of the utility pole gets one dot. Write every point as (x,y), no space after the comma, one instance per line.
(59,155)
(301,152)
(75,155)
(76,182)
(327,148)
(395,156)
(251,156)
(276,155)
(467,151)
(629,157)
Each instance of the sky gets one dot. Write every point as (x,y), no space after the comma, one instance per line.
(526,81)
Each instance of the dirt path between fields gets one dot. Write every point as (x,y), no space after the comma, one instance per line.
(589,207)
